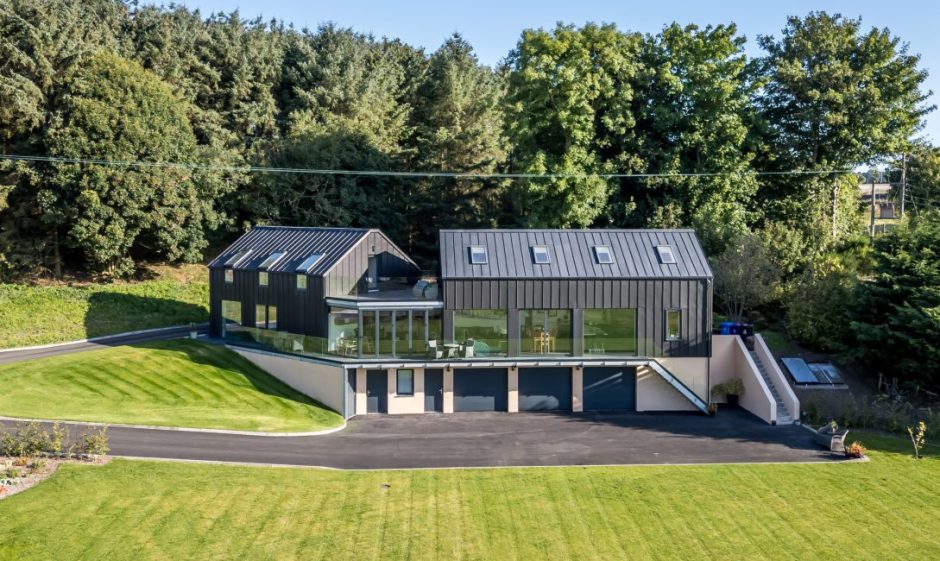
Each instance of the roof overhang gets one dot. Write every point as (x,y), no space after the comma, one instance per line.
(356,304)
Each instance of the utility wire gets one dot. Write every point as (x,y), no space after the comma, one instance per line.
(414,174)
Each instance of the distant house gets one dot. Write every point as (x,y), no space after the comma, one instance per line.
(514,320)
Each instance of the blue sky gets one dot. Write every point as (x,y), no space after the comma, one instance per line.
(493,27)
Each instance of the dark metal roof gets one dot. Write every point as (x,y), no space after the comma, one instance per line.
(298,243)
(572,254)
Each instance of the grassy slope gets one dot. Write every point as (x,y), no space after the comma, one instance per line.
(171,383)
(885,509)
(34,315)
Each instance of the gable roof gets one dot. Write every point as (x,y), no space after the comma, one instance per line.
(572,254)
(298,244)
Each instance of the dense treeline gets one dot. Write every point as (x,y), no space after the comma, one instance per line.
(109,80)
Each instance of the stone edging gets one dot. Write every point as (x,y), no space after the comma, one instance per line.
(179,429)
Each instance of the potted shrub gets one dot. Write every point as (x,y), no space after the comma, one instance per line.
(732,390)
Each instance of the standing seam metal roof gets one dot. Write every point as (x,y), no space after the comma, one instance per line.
(298,242)
(572,254)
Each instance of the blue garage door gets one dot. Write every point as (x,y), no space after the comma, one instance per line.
(481,389)
(609,388)
(545,389)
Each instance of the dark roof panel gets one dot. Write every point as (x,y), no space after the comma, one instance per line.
(572,254)
(298,243)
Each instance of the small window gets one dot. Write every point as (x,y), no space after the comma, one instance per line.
(478,255)
(540,255)
(666,255)
(237,258)
(309,263)
(405,382)
(272,260)
(301,282)
(602,254)
(673,325)
(229,276)
(262,278)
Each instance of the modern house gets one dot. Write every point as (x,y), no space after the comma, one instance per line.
(514,320)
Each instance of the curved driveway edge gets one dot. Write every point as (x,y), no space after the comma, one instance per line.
(178,429)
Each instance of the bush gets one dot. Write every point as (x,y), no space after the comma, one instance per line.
(735,386)
(855,450)
(95,443)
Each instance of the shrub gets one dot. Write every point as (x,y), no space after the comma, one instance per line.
(735,386)
(60,435)
(10,445)
(855,450)
(918,437)
(95,443)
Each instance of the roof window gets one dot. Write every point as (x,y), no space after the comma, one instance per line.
(272,260)
(540,255)
(603,255)
(666,255)
(309,262)
(237,258)
(478,255)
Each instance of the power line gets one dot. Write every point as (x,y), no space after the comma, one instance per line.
(411,174)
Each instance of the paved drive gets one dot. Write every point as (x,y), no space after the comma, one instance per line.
(495,439)
(99,343)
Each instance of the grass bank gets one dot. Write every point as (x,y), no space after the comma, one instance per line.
(179,383)
(52,313)
(885,509)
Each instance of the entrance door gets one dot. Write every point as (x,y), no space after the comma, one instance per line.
(434,390)
(376,391)
(372,281)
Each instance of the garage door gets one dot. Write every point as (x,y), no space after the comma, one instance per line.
(480,389)
(609,388)
(545,389)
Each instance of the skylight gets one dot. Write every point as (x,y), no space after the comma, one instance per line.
(309,262)
(666,256)
(272,260)
(602,254)
(540,255)
(478,255)
(237,258)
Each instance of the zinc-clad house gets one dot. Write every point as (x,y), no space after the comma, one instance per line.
(514,320)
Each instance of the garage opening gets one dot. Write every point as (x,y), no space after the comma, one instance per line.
(545,389)
(481,389)
(609,388)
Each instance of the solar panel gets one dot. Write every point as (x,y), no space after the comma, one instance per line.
(309,262)
(799,371)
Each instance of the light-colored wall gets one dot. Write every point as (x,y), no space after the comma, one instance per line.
(730,359)
(655,394)
(693,372)
(512,382)
(405,404)
(786,393)
(362,399)
(324,383)
(577,389)
(448,390)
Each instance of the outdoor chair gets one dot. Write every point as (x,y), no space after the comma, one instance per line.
(433,350)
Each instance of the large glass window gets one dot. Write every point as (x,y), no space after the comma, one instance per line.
(610,331)
(486,328)
(260,313)
(402,333)
(673,325)
(545,331)
(385,332)
(344,332)
(231,315)
(368,333)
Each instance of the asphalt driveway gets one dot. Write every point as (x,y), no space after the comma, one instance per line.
(495,439)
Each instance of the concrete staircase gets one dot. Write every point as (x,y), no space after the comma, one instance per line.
(783,416)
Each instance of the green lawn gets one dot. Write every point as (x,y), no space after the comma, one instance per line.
(885,509)
(35,315)
(178,383)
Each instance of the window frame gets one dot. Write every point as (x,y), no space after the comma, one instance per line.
(229,276)
(541,249)
(597,255)
(298,278)
(661,251)
(262,278)
(667,336)
(398,381)
(479,250)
